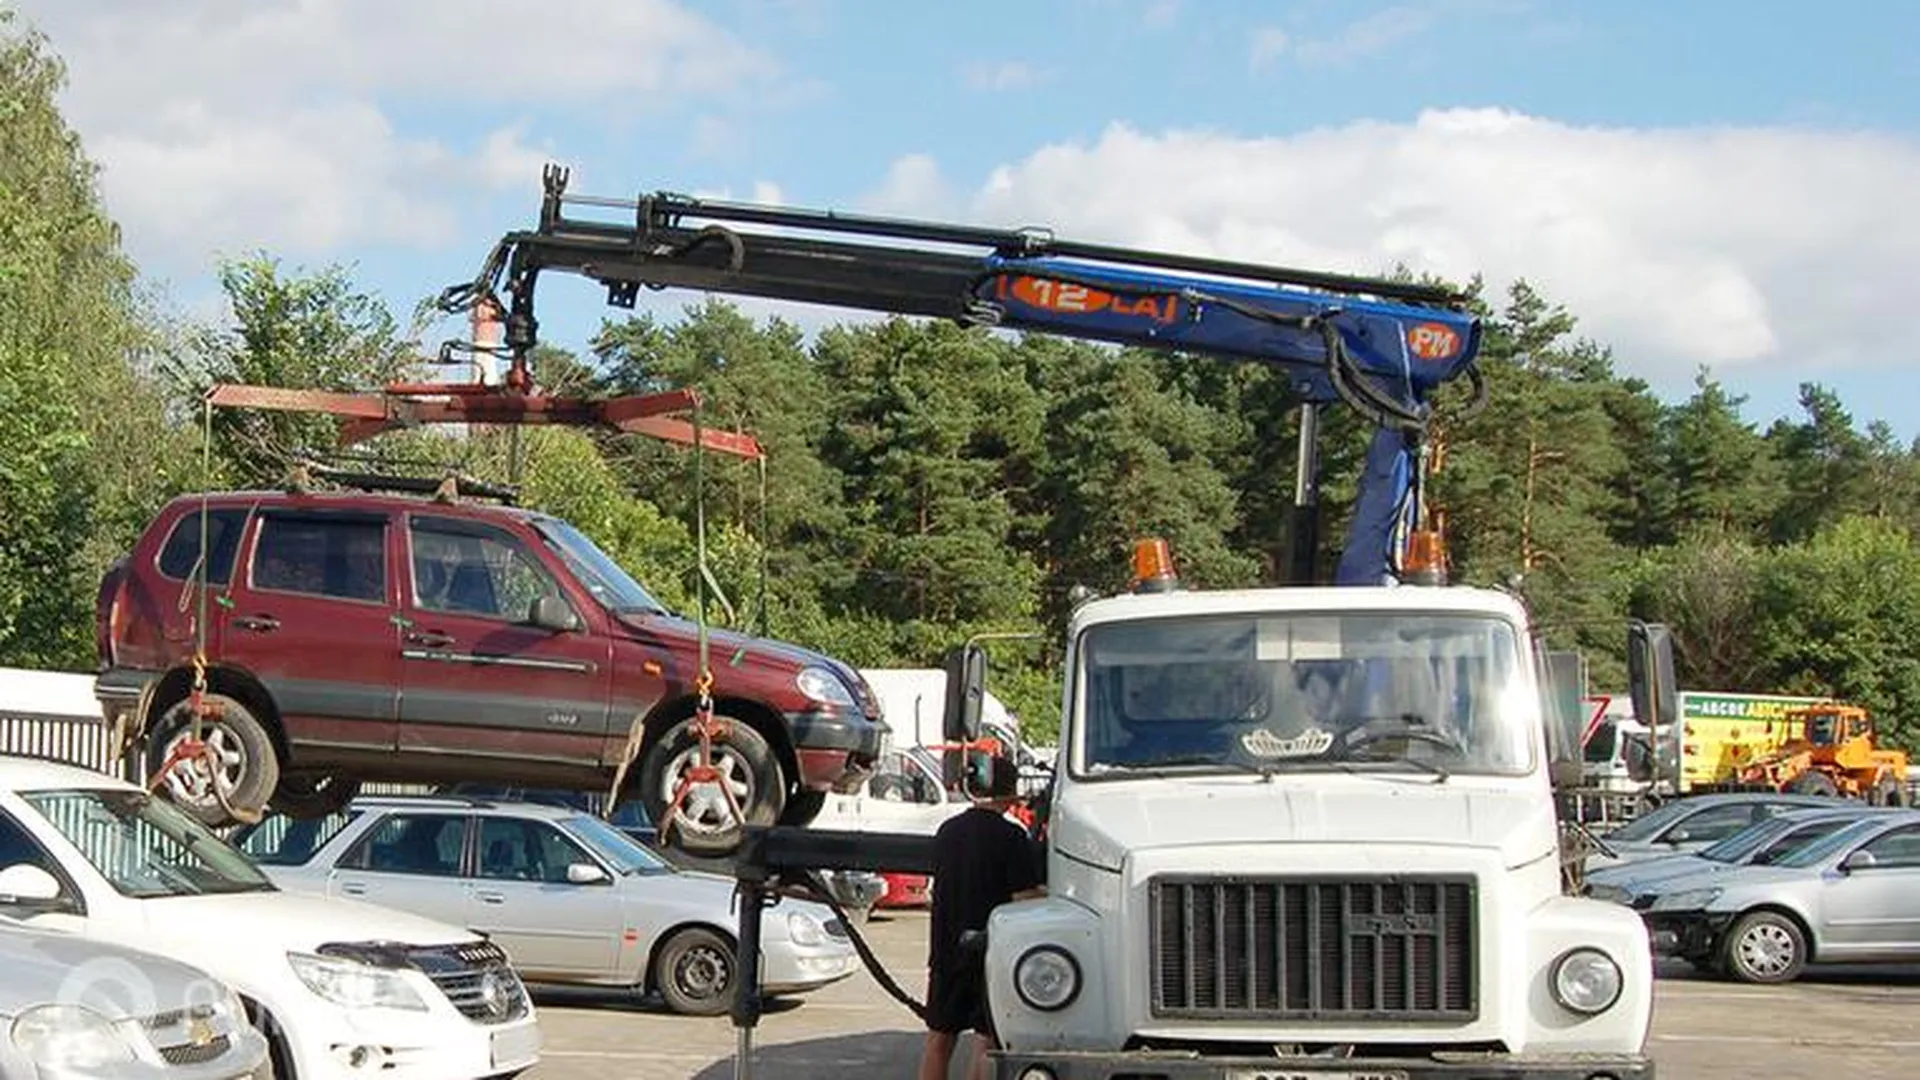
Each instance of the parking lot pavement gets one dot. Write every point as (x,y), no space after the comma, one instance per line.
(1845,1021)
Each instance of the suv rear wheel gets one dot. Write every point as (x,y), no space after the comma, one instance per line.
(706,823)
(246,768)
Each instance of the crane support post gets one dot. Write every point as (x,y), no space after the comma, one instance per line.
(1383,347)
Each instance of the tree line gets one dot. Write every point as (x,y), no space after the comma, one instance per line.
(926,482)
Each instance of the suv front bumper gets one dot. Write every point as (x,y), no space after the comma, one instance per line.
(836,750)
(1008,1065)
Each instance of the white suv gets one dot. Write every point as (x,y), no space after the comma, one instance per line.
(341,988)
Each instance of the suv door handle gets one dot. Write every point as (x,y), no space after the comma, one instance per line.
(432,638)
(490,897)
(258,623)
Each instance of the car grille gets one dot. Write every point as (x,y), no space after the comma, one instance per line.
(190,1054)
(1385,948)
(187,1036)
(477,979)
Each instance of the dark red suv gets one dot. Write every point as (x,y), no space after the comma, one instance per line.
(365,636)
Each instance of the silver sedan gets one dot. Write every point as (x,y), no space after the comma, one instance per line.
(1756,845)
(1852,896)
(571,898)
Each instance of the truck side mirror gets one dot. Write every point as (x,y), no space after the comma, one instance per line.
(1655,690)
(966,693)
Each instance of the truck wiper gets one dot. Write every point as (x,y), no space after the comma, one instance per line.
(1440,774)
(1262,769)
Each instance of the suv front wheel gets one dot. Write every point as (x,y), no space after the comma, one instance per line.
(245,767)
(706,822)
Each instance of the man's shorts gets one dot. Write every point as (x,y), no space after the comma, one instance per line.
(957,1000)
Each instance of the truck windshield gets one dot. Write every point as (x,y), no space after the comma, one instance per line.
(1359,691)
(613,587)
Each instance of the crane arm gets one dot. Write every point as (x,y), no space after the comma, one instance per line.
(1381,347)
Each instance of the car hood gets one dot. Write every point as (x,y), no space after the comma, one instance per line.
(1635,871)
(46,966)
(1733,877)
(284,921)
(1101,822)
(724,643)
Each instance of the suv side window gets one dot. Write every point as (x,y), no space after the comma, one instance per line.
(181,552)
(465,569)
(343,558)
(516,850)
(427,844)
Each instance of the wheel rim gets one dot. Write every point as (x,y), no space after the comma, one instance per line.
(191,781)
(702,972)
(1766,949)
(705,810)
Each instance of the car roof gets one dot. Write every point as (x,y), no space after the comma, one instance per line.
(276,498)
(475,803)
(26,772)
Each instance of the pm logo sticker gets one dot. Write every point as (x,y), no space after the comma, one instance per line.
(1433,341)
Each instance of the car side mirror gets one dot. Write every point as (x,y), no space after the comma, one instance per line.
(1679,836)
(585,874)
(1859,860)
(24,885)
(553,613)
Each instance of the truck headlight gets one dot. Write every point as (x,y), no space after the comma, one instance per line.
(824,686)
(805,930)
(1046,978)
(353,985)
(1587,981)
(69,1037)
(1686,900)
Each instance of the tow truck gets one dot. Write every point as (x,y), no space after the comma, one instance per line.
(1304,831)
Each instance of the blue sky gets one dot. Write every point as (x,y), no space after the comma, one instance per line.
(1703,183)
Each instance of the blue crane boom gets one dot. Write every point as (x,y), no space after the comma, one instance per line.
(1381,347)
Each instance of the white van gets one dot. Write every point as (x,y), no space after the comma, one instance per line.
(341,988)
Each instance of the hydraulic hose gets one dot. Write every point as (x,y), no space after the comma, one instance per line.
(872,962)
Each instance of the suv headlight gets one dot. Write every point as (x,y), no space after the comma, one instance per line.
(1047,978)
(805,930)
(69,1037)
(1687,900)
(1587,981)
(355,985)
(824,686)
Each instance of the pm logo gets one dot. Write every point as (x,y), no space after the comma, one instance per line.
(1384,925)
(1433,341)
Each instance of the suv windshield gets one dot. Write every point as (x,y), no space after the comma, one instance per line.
(1446,693)
(623,852)
(613,587)
(144,845)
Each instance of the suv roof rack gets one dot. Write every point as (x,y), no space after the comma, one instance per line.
(452,484)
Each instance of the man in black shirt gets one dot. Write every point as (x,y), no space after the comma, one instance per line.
(981,860)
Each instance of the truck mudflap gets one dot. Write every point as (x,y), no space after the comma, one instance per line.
(1012,1065)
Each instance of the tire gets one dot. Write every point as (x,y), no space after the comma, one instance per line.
(706,824)
(253,765)
(694,972)
(302,796)
(1815,783)
(1764,947)
(803,807)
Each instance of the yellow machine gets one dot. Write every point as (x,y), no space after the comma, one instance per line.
(1834,752)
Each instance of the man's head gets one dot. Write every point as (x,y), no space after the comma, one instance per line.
(992,778)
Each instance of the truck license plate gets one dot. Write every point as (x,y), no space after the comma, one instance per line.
(515,1045)
(1287,1073)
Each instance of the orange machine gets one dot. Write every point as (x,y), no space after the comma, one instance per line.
(1834,753)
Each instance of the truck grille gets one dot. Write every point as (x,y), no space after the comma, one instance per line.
(1383,948)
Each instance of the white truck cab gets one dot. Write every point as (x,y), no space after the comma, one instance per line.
(1310,832)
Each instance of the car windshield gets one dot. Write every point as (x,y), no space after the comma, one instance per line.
(1827,846)
(1649,825)
(1445,693)
(1747,841)
(144,845)
(623,852)
(278,840)
(1807,834)
(613,587)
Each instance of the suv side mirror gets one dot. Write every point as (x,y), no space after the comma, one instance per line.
(553,613)
(29,886)
(966,693)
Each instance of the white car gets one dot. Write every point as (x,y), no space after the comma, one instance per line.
(571,898)
(341,989)
(70,1007)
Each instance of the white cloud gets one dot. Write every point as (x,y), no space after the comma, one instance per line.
(1267,45)
(1001,76)
(265,123)
(1677,247)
